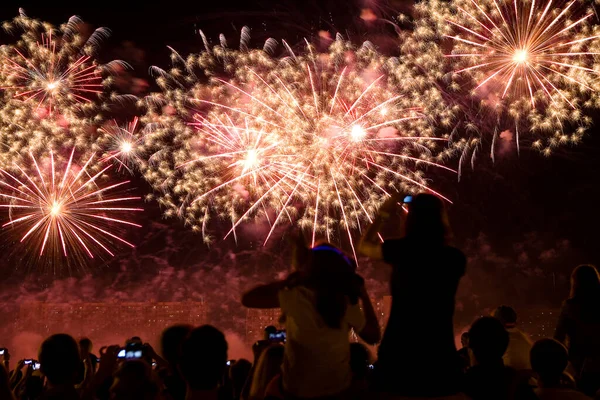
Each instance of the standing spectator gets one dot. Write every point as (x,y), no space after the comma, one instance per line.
(267,368)
(320,303)
(519,344)
(488,378)
(5,390)
(60,361)
(203,362)
(579,327)
(549,359)
(238,375)
(171,341)
(87,358)
(134,381)
(425,276)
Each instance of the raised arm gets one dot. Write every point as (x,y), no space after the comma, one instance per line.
(263,296)
(370,243)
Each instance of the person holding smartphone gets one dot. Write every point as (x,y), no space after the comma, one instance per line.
(417,356)
(321,303)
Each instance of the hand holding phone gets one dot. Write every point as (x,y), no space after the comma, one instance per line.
(278,336)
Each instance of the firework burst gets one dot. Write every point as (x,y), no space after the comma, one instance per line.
(51,68)
(123,145)
(522,67)
(317,139)
(64,209)
(523,49)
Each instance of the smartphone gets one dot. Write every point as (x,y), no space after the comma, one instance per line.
(407,199)
(121,354)
(27,362)
(2,352)
(134,351)
(229,363)
(371,366)
(36,366)
(278,336)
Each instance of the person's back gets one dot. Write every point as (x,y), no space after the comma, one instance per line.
(320,305)
(417,356)
(549,360)
(134,380)
(266,369)
(60,361)
(420,327)
(317,357)
(203,362)
(519,344)
(170,343)
(579,327)
(489,378)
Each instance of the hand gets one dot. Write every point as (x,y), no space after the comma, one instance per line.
(392,204)
(20,365)
(108,357)
(150,351)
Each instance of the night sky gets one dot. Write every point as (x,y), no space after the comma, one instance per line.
(507,201)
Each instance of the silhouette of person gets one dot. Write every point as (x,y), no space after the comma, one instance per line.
(549,359)
(579,327)
(417,356)
(489,378)
(60,361)
(519,344)
(320,303)
(203,362)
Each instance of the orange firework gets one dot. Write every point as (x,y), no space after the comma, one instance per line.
(64,208)
(539,50)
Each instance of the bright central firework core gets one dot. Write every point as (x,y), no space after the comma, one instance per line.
(52,85)
(55,209)
(126,147)
(251,160)
(520,56)
(358,133)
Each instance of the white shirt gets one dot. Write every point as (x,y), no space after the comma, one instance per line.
(560,394)
(317,358)
(517,353)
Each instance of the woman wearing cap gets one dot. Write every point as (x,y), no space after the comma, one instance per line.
(320,303)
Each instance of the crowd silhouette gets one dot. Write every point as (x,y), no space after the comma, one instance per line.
(322,301)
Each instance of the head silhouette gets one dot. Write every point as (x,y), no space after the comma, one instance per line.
(585,283)
(549,358)
(268,331)
(331,275)
(203,358)
(238,374)
(60,360)
(133,380)
(171,341)
(488,340)
(507,315)
(267,367)
(427,220)
(85,346)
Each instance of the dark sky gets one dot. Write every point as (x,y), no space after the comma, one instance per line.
(555,197)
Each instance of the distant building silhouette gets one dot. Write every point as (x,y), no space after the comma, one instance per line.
(102,320)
